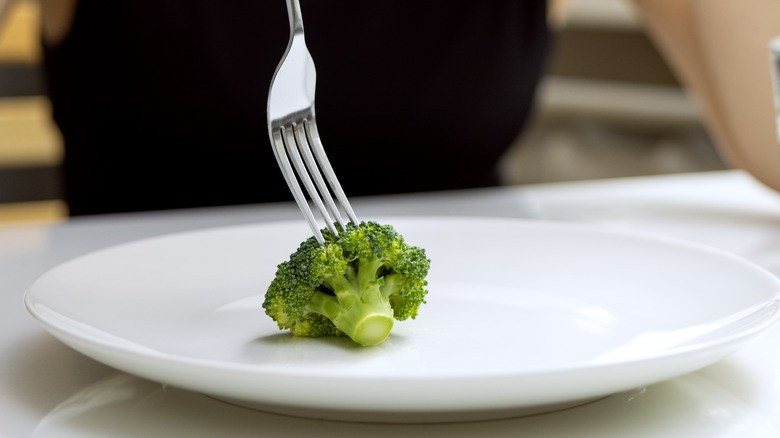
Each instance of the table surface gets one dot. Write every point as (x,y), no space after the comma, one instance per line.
(47,389)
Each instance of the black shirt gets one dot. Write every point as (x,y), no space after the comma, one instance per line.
(162,102)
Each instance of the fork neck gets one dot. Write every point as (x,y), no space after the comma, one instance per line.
(296,19)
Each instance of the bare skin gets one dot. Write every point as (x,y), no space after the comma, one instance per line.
(719,49)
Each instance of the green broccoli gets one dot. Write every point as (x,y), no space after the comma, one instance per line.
(354,284)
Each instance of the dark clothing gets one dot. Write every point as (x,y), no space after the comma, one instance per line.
(162,102)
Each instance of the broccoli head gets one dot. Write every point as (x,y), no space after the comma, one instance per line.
(355,284)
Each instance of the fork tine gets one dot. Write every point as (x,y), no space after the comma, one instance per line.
(304,146)
(292,182)
(319,152)
(292,148)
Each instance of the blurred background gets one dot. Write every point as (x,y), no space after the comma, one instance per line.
(609,107)
(30,148)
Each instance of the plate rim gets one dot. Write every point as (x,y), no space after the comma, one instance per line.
(730,342)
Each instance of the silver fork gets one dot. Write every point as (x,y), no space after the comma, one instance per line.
(292,127)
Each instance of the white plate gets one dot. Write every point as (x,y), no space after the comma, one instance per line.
(522,317)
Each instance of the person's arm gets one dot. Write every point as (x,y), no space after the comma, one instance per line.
(719,49)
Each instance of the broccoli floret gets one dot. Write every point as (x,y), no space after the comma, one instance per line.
(355,284)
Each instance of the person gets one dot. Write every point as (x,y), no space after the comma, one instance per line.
(162,103)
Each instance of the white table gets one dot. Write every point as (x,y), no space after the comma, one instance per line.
(46,389)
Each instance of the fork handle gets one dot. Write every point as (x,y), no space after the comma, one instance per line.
(296,19)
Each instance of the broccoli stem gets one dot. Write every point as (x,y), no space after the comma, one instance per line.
(357,306)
